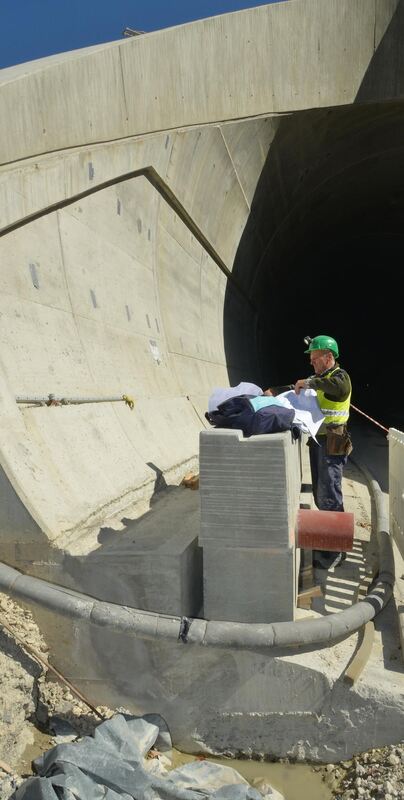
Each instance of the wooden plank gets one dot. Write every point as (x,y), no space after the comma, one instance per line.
(361,656)
(305,597)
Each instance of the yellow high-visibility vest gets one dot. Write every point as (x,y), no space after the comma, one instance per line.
(336,413)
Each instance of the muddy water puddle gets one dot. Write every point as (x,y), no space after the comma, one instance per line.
(40,744)
(294,781)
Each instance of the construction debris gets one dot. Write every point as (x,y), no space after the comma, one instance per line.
(191,481)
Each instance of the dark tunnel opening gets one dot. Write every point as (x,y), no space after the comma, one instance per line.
(322,252)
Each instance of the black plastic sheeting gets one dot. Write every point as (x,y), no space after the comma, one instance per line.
(112,765)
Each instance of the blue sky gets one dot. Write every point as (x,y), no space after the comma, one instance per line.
(35,28)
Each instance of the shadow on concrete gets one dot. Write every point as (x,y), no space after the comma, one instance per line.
(160,484)
(384,77)
(387,626)
(341,584)
(107,535)
(351,471)
(153,562)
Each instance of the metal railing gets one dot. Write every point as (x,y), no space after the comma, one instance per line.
(396,487)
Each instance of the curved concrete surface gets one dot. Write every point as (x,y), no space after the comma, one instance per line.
(178,209)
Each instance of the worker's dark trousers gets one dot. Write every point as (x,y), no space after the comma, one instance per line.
(326,476)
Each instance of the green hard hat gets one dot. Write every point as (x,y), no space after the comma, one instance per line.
(323,342)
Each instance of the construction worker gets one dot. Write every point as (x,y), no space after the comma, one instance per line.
(327,458)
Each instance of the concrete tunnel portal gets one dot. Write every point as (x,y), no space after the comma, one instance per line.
(179,241)
(321,242)
(331,226)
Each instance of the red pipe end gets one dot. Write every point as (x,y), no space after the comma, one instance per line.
(325,530)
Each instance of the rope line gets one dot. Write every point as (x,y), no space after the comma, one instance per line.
(370,418)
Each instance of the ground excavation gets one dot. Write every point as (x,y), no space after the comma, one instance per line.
(37,713)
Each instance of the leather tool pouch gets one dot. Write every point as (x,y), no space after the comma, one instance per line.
(338,441)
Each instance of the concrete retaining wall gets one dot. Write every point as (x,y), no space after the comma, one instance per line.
(126,301)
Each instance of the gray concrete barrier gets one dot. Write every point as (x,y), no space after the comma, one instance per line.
(141,624)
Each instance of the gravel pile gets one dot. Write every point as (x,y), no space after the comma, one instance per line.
(375,775)
(35,713)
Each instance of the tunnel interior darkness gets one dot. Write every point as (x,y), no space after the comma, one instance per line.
(322,252)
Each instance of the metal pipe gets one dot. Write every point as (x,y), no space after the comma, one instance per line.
(54,400)
(245,636)
(325,530)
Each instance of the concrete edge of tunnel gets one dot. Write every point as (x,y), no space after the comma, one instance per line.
(236,635)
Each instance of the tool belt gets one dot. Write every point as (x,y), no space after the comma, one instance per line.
(338,441)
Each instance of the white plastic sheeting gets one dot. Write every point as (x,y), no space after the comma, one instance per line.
(308,415)
(220,395)
(112,764)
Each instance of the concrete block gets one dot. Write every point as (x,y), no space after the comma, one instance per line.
(249,488)
(249,584)
(161,578)
(154,564)
(165,577)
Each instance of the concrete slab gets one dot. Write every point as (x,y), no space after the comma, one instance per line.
(153,563)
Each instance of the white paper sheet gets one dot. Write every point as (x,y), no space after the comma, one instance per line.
(308,416)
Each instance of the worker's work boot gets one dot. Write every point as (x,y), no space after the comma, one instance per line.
(326,559)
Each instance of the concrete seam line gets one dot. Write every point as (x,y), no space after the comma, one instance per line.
(237,635)
(81,147)
(164,190)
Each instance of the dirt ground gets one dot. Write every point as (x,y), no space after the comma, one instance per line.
(36,713)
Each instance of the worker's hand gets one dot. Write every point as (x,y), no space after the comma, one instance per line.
(269,393)
(299,385)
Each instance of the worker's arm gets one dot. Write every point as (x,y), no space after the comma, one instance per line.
(273,391)
(335,387)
